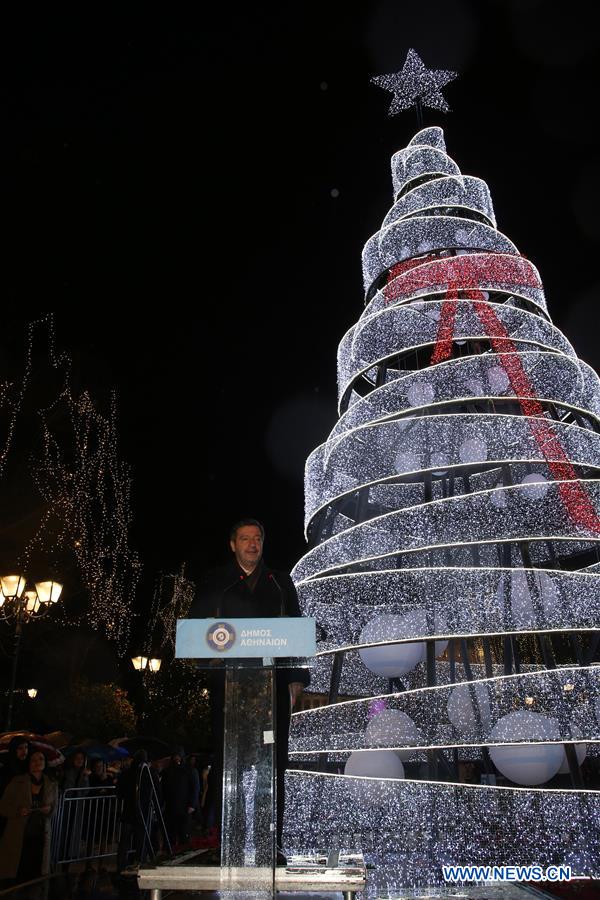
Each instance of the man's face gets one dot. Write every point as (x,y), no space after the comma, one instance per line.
(21,751)
(247,547)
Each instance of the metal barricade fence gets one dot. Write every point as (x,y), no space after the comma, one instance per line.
(86,825)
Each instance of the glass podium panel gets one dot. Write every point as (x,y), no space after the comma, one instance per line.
(248,820)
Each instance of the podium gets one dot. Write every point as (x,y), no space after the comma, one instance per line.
(245,654)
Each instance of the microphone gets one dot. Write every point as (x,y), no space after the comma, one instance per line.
(281,594)
(238,580)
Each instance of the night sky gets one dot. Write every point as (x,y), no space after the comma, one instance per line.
(190,196)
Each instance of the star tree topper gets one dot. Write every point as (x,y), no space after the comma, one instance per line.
(415,85)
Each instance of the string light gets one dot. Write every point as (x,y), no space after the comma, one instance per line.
(451,192)
(415,328)
(425,235)
(410,829)
(452,521)
(173,596)
(445,718)
(456,499)
(415,84)
(176,685)
(378,453)
(573,384)
(86,491)
(356,680)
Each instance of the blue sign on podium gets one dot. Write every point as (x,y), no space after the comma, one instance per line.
(256,637)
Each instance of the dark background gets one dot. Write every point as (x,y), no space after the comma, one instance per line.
(190,196)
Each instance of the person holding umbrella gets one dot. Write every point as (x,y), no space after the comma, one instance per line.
(27,805)
(77,773)
(16,762)
(100,777)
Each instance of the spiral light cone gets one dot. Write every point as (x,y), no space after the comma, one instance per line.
(455,503)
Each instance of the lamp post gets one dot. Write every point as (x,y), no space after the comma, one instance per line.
(146,663)
(21,606)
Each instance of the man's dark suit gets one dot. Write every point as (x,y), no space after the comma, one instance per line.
(230,593)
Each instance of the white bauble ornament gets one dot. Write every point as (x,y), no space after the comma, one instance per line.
(461,708)
(439,459)
(537,486)
(374,764)
(390,728)
(392,660)
(474,385)
(407,462)
(498,379)
(420,394)
(473,450)
(527,764)
(498,498)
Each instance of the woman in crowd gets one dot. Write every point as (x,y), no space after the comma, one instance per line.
(77,774)
(16,762)
(100,777)
(27,805)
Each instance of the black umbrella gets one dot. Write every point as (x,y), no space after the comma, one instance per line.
(96,750)
(154,747)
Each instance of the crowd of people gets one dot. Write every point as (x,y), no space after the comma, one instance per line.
(159,803)
(156,804)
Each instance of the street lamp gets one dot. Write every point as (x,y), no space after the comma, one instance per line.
(144,664)
(20,606)
(141,663)
(32,693)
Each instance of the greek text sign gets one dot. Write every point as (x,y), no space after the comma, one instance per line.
(261,637)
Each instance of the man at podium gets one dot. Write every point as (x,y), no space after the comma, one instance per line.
(247,587)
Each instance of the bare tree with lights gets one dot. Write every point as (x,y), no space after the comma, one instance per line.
(66,490)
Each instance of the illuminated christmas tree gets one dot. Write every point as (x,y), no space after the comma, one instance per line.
(452,518)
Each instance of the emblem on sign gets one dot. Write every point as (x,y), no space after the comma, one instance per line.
(220,636)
